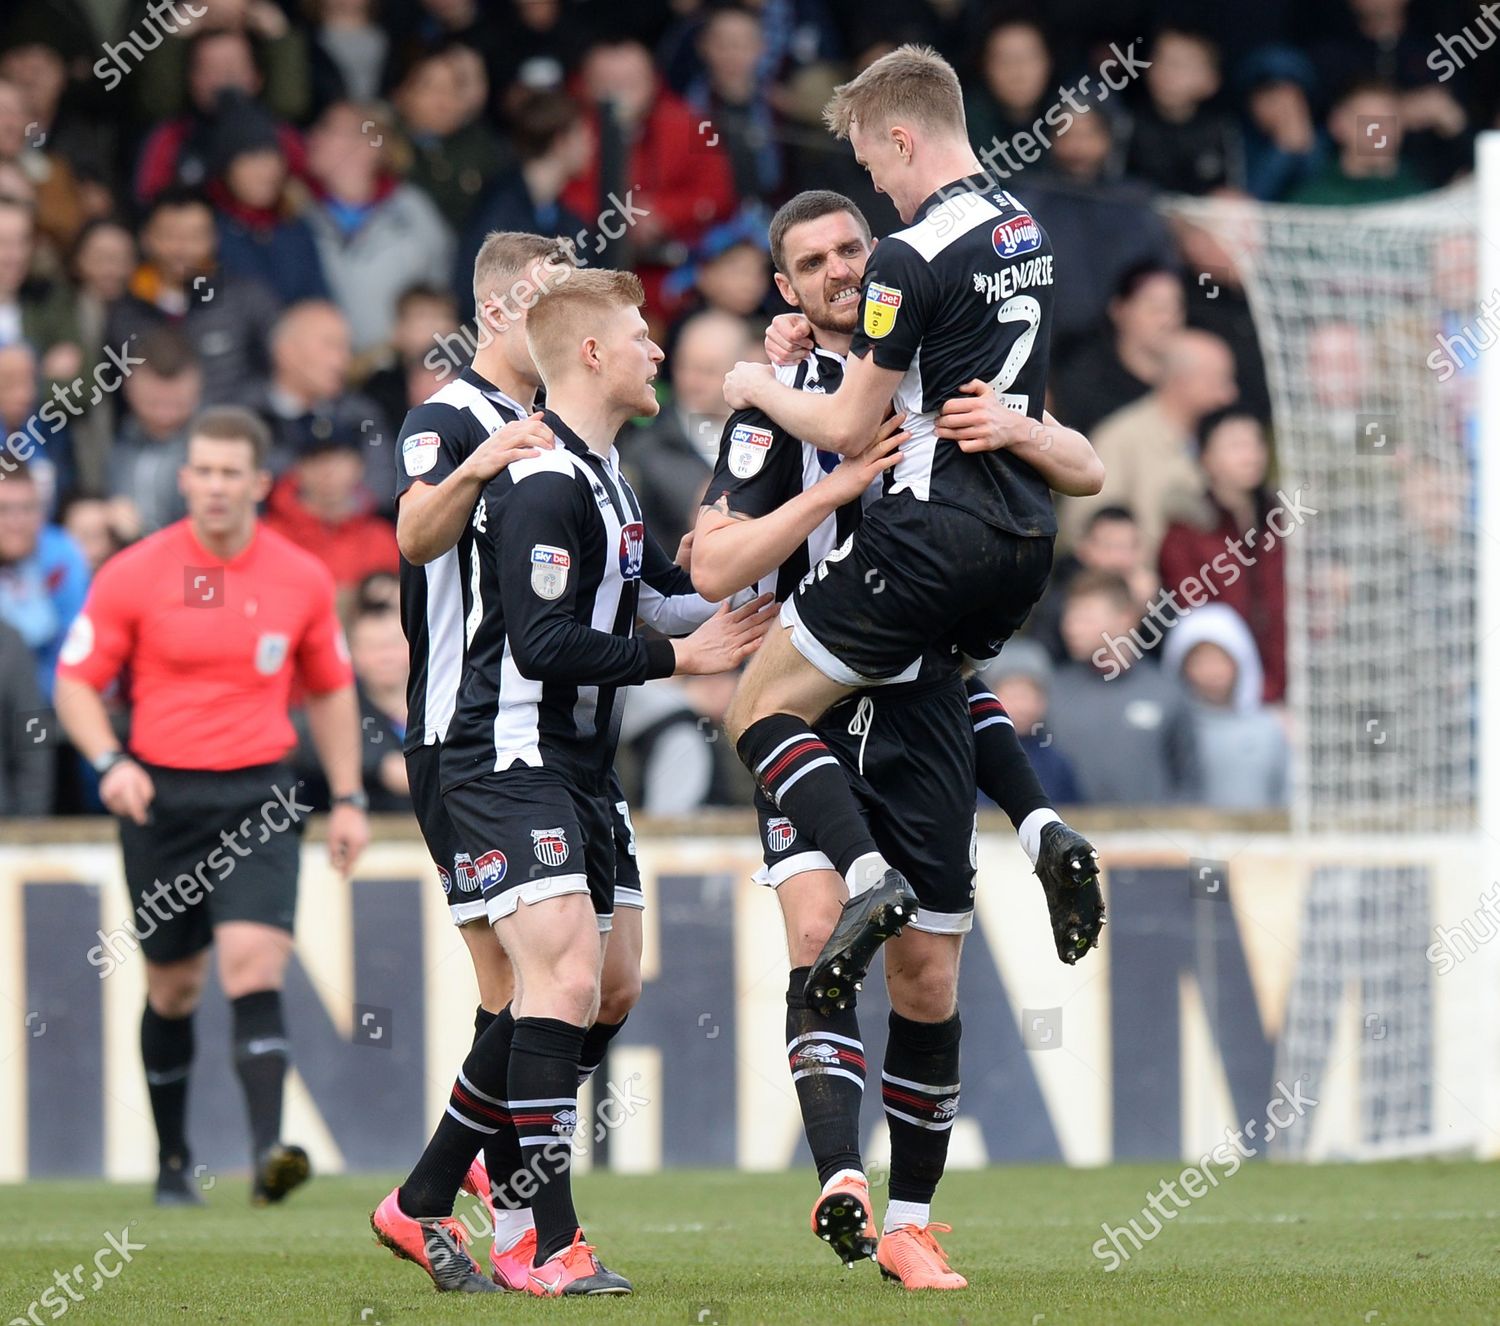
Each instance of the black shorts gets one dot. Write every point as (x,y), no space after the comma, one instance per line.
(534,836)
(455,868)
(912,574)
(627,865)
(909,756)
(219,846)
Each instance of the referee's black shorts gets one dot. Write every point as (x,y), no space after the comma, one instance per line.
(909,755)
(218,846)
(912,574)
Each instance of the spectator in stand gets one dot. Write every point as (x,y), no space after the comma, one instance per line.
(59,200)
(456,154)
(669,461)
(1233,500)
(1111,541)
(28,762)
(37,311)
(646,144)
(1242,747)
(64,117)
(227,319)
(1283,146)
(46,438)
(1100,226)
(162,394)
(1181,141)
(733,93)
(44,576)
(730,271)
(1010,94)
(544,46)
(377,649)
(1366,128)
(348,50)
(376,235)
(1112,370)
(221,73)
(1021,679)
(1127,730)
(1149,447)
(103,257)
(429,25)
(261,237)
(425,315)
(1385,42)
(322,505)
(552,142)
(90,522)
(307,400)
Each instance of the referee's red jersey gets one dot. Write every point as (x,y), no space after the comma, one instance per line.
(210,647)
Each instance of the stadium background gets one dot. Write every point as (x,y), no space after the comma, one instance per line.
(1244,950)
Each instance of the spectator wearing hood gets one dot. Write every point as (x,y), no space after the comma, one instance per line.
(376,235)
(1284,147)
(1242,749)
(322,505)
(1022,680)
(221,75)
(1234,499)
(260,236)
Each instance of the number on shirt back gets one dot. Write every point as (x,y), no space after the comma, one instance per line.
(1023,309)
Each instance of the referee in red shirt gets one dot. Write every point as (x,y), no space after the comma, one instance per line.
(206,623)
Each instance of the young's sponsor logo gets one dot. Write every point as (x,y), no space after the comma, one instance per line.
(490,868)
(632,549)
(1020,234)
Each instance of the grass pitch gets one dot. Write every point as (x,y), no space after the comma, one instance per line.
(1375,1244)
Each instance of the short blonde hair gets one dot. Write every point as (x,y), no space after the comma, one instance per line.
(506,255)
(911,83)
(563,314)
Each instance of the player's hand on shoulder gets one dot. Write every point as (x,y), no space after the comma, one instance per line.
(726,639)
(850,478)
(977,421)
(788,339)
(740,383)
(127,791)
(520,439)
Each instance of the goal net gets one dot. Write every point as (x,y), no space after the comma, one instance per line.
(1370,325)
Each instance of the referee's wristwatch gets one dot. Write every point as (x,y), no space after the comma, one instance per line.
(359,800)
(104,763)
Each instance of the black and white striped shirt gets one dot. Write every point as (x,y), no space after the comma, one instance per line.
(436,438)
(564,566)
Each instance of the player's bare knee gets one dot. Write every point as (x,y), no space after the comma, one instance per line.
(619,993)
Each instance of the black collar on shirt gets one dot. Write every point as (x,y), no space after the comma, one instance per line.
(484,385)
(568,437)
(980,183)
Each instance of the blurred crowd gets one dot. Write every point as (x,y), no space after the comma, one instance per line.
(276,203)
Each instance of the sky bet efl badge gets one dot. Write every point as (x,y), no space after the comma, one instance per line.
(549,571)
(881,303)
(748,447)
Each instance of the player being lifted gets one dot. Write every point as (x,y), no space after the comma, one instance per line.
(774,508)
(526,769)
(960,546)
(451,446)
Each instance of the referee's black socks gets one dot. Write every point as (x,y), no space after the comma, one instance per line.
(795,768)
(167,1053)
(260,1055)
(919,1087)
(827,1060)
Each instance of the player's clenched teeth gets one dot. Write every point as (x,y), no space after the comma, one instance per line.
(846,296)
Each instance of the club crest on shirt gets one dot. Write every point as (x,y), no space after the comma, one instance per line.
(419,452)
(549,571)
(632,549)
(781,833)
(748,447)
(881,305)
(270,653)
(550,846)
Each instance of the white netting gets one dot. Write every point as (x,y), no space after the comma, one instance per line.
(1369,321)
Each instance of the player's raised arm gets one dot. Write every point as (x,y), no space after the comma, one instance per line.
(843,421)
(1063,456)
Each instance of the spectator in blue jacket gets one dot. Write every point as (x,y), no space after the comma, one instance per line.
(44,575)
